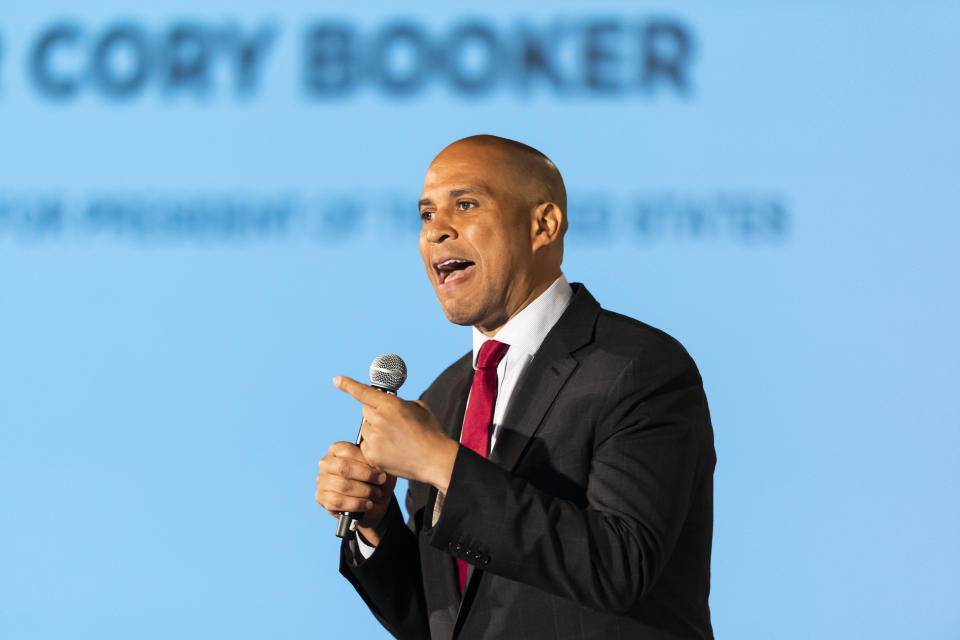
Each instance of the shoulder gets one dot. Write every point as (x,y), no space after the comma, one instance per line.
(647,377)
(627,345)
(607,344)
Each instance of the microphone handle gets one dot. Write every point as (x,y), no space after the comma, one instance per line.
(348,522)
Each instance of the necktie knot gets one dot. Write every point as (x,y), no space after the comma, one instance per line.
(491,353)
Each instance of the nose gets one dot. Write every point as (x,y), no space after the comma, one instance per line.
(439,228)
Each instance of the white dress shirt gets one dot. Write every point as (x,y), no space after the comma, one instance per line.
(524,333)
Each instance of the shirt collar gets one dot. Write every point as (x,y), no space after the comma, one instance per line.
(526,331)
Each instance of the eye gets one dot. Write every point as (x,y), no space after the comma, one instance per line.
(465,205)
(426,216)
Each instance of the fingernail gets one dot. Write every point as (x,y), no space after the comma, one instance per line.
(368,504)
(381,478)
(336,381)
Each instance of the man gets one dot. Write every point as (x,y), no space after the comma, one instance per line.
(561,474)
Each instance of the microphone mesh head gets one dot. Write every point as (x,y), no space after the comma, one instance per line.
(388,372)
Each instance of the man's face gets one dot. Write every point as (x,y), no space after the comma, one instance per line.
(476,235)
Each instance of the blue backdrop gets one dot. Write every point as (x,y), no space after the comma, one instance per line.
(206,213)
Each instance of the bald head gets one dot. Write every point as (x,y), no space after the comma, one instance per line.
(534,176)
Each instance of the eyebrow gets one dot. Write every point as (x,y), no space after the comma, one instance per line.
(456,193)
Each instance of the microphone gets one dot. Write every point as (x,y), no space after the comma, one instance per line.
(387,373)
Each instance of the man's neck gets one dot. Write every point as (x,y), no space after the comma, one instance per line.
(534,293)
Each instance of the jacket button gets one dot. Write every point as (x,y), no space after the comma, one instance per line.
(484,561)
(458,547)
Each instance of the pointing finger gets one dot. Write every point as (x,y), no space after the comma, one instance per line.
(361,392)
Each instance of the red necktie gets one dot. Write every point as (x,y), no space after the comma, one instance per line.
(479,416)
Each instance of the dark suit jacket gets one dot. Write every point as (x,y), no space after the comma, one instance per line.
(593,516)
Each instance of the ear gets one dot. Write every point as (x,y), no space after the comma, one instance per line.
(547,225)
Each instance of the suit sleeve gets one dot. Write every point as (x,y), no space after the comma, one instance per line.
(390,580)
(653,441)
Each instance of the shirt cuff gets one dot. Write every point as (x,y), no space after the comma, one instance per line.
(364,548)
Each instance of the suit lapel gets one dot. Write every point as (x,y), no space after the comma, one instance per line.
(550,369)
(450,417)
(451,420)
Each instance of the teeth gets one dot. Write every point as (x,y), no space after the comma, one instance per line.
(450,268)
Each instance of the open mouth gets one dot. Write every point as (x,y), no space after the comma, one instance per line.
(452,270)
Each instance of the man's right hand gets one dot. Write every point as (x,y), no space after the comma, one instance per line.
(347,482)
